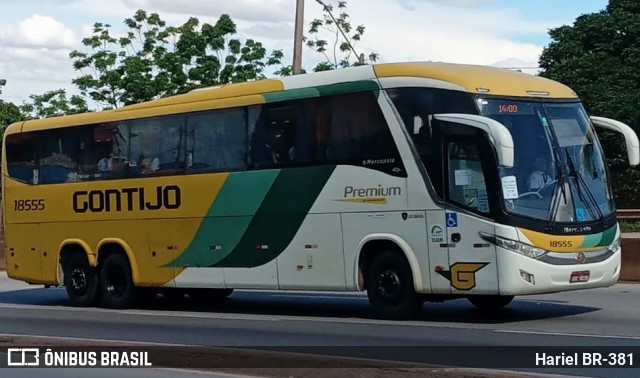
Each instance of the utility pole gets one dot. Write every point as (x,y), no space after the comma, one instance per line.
(297,48)
(3,82)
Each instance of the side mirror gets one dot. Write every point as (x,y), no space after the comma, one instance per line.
(498,133)
(630,137)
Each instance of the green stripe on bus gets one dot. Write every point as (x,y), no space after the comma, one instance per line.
(279,217)
(243,193)
(291,94)
(608,236)
(601,239)
(323,90)
(228,218)
(353,86)
(591,240)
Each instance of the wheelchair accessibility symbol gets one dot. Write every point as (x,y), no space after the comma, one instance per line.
(452,220)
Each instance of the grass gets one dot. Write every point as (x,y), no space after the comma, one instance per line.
(630,225)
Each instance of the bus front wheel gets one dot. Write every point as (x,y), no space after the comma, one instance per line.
(80,281)
(116,281)
(491,302)
(390,288)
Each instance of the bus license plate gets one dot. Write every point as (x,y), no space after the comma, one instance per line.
(580,276)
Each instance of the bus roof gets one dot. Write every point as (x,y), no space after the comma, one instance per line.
(470,78)
(480,79)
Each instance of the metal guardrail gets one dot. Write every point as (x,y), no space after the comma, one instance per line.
(629,214)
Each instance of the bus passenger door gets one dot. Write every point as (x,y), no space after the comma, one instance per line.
(459,154)
(472,260)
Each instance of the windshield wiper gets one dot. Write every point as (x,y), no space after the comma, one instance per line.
(556,202)
(580,181)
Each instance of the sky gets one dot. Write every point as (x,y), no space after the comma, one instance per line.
(36,36)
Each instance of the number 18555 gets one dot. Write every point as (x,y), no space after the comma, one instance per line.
(28,205)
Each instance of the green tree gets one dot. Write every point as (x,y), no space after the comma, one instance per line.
(9,113)
(336,39)
(53,104)
(155,60)
(598,56)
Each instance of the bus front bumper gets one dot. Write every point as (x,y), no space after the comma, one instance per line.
(522,275)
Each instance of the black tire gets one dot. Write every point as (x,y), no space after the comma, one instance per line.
(116,282)
(491,302)
(208,296)
(390,287)
(80,281)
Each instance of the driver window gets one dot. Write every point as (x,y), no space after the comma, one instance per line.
(466,178)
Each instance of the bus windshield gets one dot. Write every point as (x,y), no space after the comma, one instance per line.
(559,172)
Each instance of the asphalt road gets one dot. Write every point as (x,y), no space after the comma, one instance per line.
(341,324)
(109,373)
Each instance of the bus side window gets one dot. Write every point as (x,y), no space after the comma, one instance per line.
(280,134)
(353,131)
(416,106)
(466,177)
(104,152)
(156,145)
(216,140)
(60,155)
(22,152)
(257,154)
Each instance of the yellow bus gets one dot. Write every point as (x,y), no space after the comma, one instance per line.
(414,182)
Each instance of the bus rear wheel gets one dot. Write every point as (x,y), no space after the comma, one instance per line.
(116,281)
(390,288)
(80,280)
(491,302)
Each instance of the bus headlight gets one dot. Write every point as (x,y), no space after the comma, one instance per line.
(615,246)
(516,246)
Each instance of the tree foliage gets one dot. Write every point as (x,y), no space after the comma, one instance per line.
(336,39)
(53,104)
(9,113)
(152,59)
(598,56)
(156,60)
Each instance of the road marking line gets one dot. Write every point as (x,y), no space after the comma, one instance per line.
(568,334)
